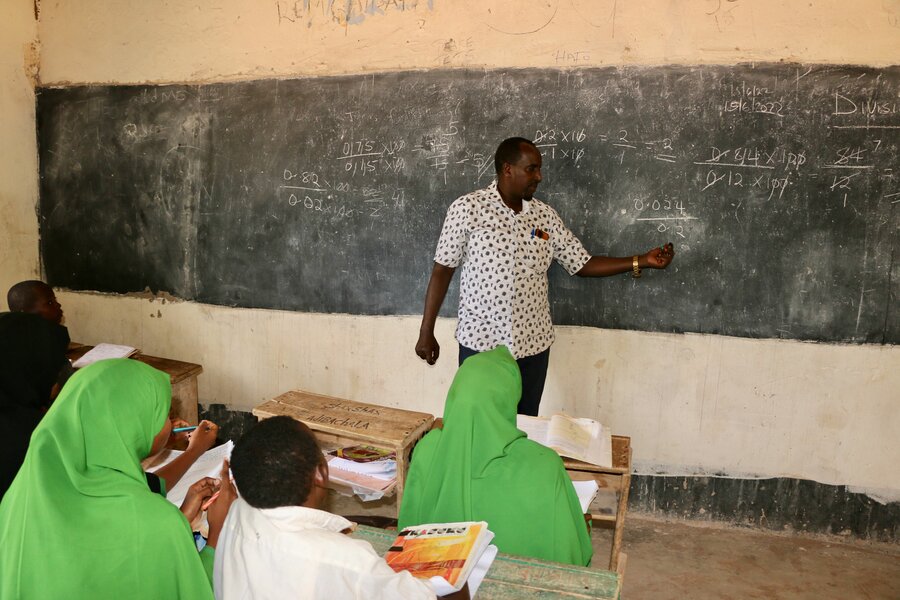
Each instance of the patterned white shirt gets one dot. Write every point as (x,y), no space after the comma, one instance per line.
(505,257)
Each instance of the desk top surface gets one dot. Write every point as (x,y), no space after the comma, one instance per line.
(367,422)
(178,370)
(519,577)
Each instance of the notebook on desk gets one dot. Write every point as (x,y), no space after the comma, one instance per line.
(103,352)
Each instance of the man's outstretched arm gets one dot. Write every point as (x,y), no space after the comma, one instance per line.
(603,266)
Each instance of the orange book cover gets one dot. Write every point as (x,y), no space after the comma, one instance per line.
(437,550)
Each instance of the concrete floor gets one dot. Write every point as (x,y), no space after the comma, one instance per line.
(679,560)
(675,560)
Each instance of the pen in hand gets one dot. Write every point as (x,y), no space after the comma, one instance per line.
(180,429)
(206,504)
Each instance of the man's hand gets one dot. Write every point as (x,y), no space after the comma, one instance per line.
(428,348)
(658,258)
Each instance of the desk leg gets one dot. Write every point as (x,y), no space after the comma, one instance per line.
(620,522)
(184,400)
(402,467)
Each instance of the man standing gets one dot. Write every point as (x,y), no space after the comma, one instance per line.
(505,240)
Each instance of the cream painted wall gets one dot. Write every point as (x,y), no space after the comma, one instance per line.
(692,403)
(18,143)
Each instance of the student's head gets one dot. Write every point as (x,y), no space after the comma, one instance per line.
(279,463)
(34,297)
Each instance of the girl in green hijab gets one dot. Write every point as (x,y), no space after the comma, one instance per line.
(480,467)
(79,520)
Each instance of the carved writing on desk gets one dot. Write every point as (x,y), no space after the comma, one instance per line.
(345,422)
(353,408)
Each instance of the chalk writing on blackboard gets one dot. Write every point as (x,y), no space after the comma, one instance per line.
(776,182)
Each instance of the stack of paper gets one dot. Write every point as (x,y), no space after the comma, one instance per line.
(446,554)
(368,472)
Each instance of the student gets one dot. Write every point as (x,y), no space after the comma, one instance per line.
(32,354)
(35,297)
(480,467)
(79,520)
(277,543)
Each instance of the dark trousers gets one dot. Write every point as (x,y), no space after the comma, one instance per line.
(534,373)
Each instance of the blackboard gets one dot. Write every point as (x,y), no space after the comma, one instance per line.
(778,184)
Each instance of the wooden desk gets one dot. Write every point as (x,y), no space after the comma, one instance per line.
(517,577)
(616,478)
(338,423)
(182,374)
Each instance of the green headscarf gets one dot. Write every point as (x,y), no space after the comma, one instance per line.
(79,520)
(480,467)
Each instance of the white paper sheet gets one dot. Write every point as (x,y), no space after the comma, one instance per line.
(586,492)
(481,568)
(208,465)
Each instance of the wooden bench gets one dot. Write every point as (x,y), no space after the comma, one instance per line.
(182,374)
(517,577)
(337,423)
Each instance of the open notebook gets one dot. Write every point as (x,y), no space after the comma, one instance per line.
(103,352)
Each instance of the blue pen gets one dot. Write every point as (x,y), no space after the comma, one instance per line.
(180,429)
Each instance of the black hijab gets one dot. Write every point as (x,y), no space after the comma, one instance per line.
(32,354)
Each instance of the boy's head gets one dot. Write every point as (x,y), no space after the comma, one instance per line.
(34,297)
(278,463)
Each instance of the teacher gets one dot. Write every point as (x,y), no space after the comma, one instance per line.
(505,240)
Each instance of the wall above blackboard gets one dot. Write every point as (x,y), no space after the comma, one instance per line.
(778,184)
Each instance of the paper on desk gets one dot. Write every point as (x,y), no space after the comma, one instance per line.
(586,492)
(208,465)
(103,352)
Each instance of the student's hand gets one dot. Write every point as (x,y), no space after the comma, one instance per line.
(178,440)
(658,258)
(218,510)
(203,438)
(196,495)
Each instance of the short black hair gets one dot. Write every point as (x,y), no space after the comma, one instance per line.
(274,463)
(24,296)
(509,151)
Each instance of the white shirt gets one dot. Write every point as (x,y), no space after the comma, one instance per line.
(297,552)
(503,287)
